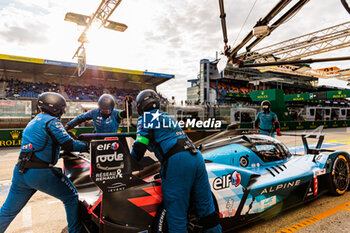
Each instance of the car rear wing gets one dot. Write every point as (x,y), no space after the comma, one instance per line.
(315,134)
(112,166)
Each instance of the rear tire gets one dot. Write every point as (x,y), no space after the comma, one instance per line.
(338,178)
(161,223)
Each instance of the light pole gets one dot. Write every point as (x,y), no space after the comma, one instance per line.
(101,15)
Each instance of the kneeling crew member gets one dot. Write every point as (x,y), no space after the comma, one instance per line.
(42,140)
(106,119)
(183,170)
(267,120)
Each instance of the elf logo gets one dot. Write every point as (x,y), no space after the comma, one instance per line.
(227,180)
(113,146)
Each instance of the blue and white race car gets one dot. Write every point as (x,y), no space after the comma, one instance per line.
(255,175)
(251,177)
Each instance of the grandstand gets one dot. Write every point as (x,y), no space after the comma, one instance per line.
(22,79)
(239,91)
(235,84)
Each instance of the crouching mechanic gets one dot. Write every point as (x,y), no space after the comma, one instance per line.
(268,120)
(42,140)
(106,119)
(183,170)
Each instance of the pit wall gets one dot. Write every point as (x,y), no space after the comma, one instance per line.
(12,137)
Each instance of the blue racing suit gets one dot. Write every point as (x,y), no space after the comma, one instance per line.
(182,173)
(267,121)
(46,135)
(101,125)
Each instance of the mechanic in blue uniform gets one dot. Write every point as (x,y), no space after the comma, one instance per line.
(267,120)
(106,119)
(183,169)
(42,140)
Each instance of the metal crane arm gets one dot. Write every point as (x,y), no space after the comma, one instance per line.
(321,41)
(280,21)
(346,6)
(294,62)
(223,21)
(275,10)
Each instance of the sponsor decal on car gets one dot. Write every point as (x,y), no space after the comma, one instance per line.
(268,202)
(103,176)
(226,181)
(282,186)
(116,187)
(230,210)
(320,172)
(109,158)
(107,146)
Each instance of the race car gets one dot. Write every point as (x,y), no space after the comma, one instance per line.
(251,176)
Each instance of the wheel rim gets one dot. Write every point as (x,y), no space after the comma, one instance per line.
(192,223)
(341,175)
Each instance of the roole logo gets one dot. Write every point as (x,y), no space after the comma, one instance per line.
(109,158)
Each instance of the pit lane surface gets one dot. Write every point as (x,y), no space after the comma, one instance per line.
(44,213)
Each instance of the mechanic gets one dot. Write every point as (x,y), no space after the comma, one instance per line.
(183,169)
(42,140)
(106,119)
(268,120)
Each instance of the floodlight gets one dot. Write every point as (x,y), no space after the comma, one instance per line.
(79,19)
(115,26)
(261,31)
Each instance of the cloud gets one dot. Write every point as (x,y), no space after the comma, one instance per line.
(200,28)
(28,34)
(163,36)
(21,24)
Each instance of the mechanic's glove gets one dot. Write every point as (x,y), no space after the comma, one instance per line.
(128,99)
(278,132)
(88,147)
(67,127)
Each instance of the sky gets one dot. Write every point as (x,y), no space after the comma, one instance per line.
(162,36)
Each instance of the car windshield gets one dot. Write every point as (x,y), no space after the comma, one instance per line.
(267,148)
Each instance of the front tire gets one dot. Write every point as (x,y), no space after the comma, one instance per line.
(338,178)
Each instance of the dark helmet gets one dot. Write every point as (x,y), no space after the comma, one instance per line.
(52,103)
(106,105)
(147,100)
(266,106)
